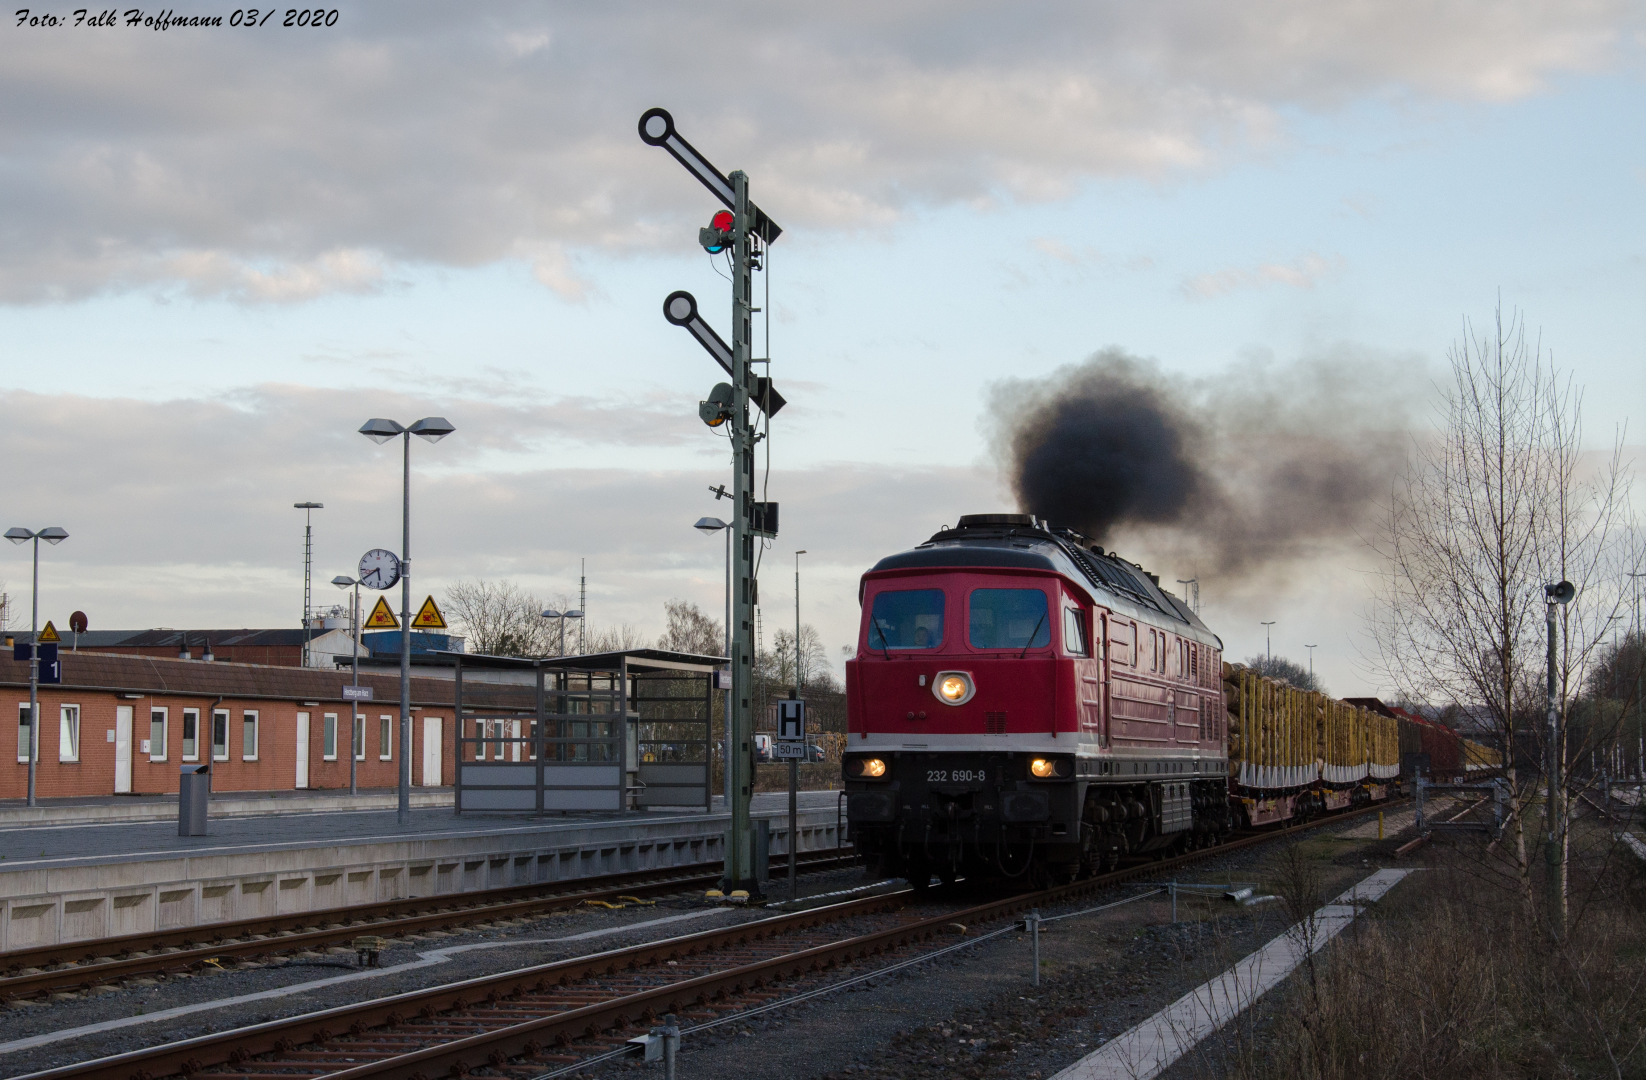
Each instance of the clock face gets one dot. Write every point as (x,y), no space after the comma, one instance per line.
(379,569)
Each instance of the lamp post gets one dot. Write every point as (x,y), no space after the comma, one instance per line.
(562,616)
(1311,649)
(343,581)
(51,535)
(1186,583)
(794,763)
(308,509)
(1555,596)
(1268,644)
(707,526)
(1640,653)
(430,429)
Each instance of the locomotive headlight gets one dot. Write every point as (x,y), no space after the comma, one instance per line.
(1048,768)
(868,768)
(953,687)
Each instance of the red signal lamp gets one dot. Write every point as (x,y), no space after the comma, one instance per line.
(718,236)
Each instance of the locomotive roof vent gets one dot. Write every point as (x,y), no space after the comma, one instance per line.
(985,521)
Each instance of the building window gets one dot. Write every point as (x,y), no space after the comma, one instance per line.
(22,731)
(68,733)
(359,731)
(248,736)
(157,734)
(385,737)
(328,738)
(191,734)
(220,735)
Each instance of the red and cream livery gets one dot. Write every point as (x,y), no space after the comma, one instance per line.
(1022,702)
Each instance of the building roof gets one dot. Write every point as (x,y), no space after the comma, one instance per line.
(116,673)
(638,659)
(167,638)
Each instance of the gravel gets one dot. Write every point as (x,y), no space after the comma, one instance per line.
(972,1014)
(975,1014)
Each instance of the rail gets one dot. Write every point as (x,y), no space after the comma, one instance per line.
(539,1012)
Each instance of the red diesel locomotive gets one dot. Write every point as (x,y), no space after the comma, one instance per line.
(1022,702)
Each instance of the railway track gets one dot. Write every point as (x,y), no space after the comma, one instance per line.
(104,961)
(524,1022)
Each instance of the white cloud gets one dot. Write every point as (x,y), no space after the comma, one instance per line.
(267,166)
(1301,273)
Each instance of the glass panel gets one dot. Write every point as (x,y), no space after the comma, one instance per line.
(68,745)
(191,734)
(157,734)
(359,728)
(385,737)
(907,619)
(328,738)
(1074,632)
(220,736)
(1009,619)
(22,733)
(248,737)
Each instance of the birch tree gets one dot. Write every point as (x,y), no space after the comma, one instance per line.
(1493,505)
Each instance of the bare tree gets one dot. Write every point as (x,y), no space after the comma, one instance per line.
(501,619)
(689,630)
(1286,671)
(616,638)
(1489,507)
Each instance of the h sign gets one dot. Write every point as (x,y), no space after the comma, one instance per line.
(791,719)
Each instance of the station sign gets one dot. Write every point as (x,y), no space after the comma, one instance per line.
(790,743)
(356,693)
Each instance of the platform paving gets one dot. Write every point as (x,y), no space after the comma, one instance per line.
(76,882)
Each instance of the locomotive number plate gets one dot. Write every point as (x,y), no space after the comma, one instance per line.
(955,776)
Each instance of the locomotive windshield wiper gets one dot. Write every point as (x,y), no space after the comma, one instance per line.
(885,646)
(1032,633)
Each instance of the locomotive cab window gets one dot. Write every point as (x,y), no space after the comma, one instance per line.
(1009,619)
(907,619)
(1074,633)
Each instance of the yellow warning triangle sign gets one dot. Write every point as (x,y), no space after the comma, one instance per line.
(50,634)
(429,617)
(381,617)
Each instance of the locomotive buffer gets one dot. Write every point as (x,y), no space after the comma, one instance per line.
(742,228)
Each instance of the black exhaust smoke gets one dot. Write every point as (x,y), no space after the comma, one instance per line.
(1249,470)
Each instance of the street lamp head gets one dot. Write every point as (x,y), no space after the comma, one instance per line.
(432,428)
(709,525)
(308,506)
(54,534)
(574,614)
(343,581)
(18,536)
(550,613)
(802,551)
(379,430)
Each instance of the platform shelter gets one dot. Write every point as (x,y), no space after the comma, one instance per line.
(611,732)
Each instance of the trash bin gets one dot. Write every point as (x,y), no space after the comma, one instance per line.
(193,795)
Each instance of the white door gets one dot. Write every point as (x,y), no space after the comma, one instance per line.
(431,751)
(122,749)
(302,750)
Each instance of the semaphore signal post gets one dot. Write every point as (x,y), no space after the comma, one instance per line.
(742,229)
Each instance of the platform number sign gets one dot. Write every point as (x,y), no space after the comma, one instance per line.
(791,730)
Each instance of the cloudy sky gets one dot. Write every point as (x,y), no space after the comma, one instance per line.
(221,250)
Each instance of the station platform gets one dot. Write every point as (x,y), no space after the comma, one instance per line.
(93,809)
(71,882)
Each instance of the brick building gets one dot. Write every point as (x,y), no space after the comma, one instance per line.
(126,724)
